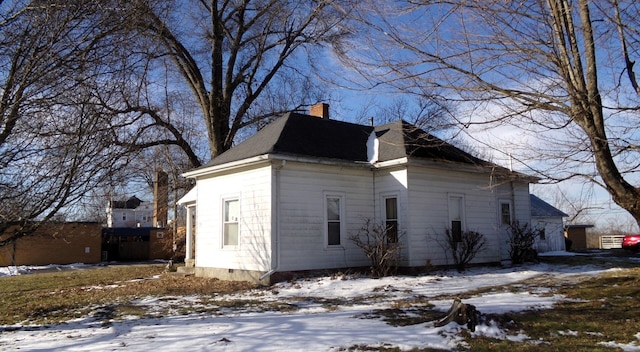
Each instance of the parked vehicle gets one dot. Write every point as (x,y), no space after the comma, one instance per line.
(631,242)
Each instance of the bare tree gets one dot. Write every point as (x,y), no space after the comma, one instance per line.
(240,63)
(88,88)
(51,149)
(428,114)
(560,71)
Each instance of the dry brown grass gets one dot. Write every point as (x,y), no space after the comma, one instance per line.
(58,296)
(603,308)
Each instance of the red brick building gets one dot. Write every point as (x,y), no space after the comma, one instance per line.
(56,243)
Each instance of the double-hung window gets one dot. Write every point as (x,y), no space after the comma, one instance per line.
(391,218)
(505,212)
(456,216)
(230,223)
(541,229)
(334,219)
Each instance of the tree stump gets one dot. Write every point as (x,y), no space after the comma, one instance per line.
(462,314)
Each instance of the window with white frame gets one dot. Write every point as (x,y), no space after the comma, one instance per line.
(230,227)
(541,228)
(456,216)
(334,217)
(505,212)
(391,218)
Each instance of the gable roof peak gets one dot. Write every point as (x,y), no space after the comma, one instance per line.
(400,139)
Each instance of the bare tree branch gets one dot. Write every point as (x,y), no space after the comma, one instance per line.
(541,67)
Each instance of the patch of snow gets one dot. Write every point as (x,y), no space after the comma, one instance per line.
(628,347)
(568,333)
(505,302)
(311,326)
(28,269)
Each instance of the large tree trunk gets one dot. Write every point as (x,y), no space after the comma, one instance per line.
(587,109)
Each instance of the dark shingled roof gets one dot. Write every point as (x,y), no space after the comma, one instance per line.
(303,135)
(308,136)
(543,209)
(131,203)
(401,139)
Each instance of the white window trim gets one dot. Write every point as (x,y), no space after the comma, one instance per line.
(223,201)
(343,226)
(462,211)
(541,226)
(383,208)
(505,201)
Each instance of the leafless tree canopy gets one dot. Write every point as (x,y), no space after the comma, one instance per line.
(241,61)
(560,71)
(93,90)
(51,149)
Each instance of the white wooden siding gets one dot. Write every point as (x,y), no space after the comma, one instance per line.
(429,189)
(394,181)
(253,189)
(518,193)
(302,189)
(554,234)
(282,214)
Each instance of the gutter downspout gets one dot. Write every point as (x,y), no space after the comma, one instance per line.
(373,145)
(276,255)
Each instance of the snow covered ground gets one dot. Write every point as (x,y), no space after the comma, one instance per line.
(312,326)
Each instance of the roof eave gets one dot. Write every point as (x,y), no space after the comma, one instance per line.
(267,157)
(226,166)
(390,163)
(493,169)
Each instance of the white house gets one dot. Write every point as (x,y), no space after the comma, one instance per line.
(546,217)
(287,198)
(129,213)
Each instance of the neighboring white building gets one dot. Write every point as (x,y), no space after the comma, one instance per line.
(129,213)
(288,198)
(545,216)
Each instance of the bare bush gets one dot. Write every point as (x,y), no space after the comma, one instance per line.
(464,246)
(380,247)
(521,241)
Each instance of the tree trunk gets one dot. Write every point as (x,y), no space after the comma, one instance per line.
(462,314)
(587,109)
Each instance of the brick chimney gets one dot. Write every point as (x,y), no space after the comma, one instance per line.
(320,110)
(160,199)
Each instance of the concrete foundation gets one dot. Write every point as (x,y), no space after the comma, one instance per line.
(233,275)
